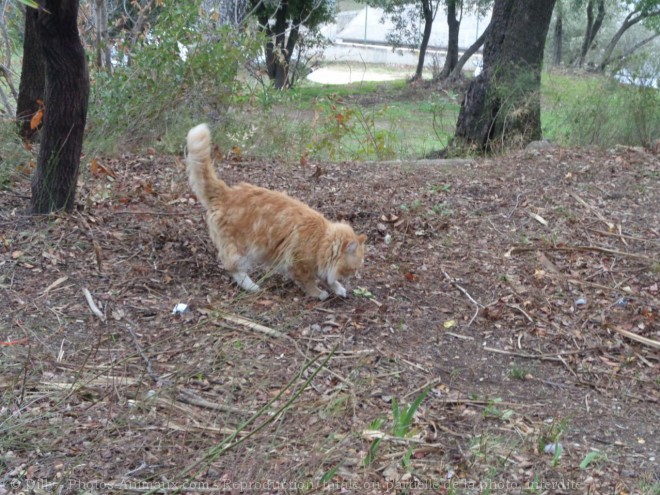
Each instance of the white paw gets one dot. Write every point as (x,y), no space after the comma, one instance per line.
(340,291)
(251,287)
(323,295)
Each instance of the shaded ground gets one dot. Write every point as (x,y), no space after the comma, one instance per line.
(505,286)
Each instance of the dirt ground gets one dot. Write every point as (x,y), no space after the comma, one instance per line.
(521,291)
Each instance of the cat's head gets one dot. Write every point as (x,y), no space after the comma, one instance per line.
(348,250)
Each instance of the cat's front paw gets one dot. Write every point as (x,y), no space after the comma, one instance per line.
(340,290)
(323,295)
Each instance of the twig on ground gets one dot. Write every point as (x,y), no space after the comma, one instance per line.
(92,305)
(189,397)
(467,294)
(555,356)
(157,379)
(637,338)
(597,249)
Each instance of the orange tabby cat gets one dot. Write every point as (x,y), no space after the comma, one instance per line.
(252,226)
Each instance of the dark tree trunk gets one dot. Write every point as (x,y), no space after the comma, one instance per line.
(558,40)
(33,77)
(454,25)
(502,105)
(456,72)
(279,49)
(67,92)
(427,10)
(593,26)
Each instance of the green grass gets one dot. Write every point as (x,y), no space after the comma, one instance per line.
(379,120)
(581,110)
(14,158)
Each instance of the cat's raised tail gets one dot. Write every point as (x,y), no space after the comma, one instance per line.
(201,176)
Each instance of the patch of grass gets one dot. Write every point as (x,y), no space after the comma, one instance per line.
(598,110)
(14,157)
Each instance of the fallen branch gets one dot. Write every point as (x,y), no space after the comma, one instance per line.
(637,338)
(554,356)
(598,249)
(257,327)
(189,397)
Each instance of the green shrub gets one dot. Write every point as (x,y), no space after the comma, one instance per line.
(596,110)
(154,100)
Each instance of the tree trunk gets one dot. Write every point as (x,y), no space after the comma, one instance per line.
(557,40)
(502,105)
(101,26)
(629,22)
(593,26)
(456,73)
(454,25)
(33,77)
(279,48)
(427,10)
(67,93)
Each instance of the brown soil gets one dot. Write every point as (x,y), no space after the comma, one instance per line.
(506,287)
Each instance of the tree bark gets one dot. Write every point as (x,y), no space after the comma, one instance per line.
(502,105)
(593,26)
(454,25)
(33,77)
(427,10)
(101,26)
(456,73)
(67,93)
(558,40)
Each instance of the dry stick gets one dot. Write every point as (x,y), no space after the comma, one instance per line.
(150,371)
(455,284)
(189,397)
(92,304)
(632,238)
(257,327)
(555,356)
(638,338)
(597,249)
(600,217)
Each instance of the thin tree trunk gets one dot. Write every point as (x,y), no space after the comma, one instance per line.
(102,48)
(632,49)
(629,22)
(502,105)
(454,25)
(474,48)
(593,26)
(557,40)
(33,77)
(67,93)
(428,26)
(279,47)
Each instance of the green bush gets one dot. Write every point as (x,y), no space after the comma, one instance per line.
(597,110)
(154,100)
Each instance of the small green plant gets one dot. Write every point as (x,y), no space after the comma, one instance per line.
(518,373)
(492,411)
(362,292)
(403,416)
(592,457)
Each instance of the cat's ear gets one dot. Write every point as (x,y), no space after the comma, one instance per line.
(362,238)
(351,247)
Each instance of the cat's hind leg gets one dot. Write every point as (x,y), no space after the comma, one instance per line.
(237,266)
(244,281)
